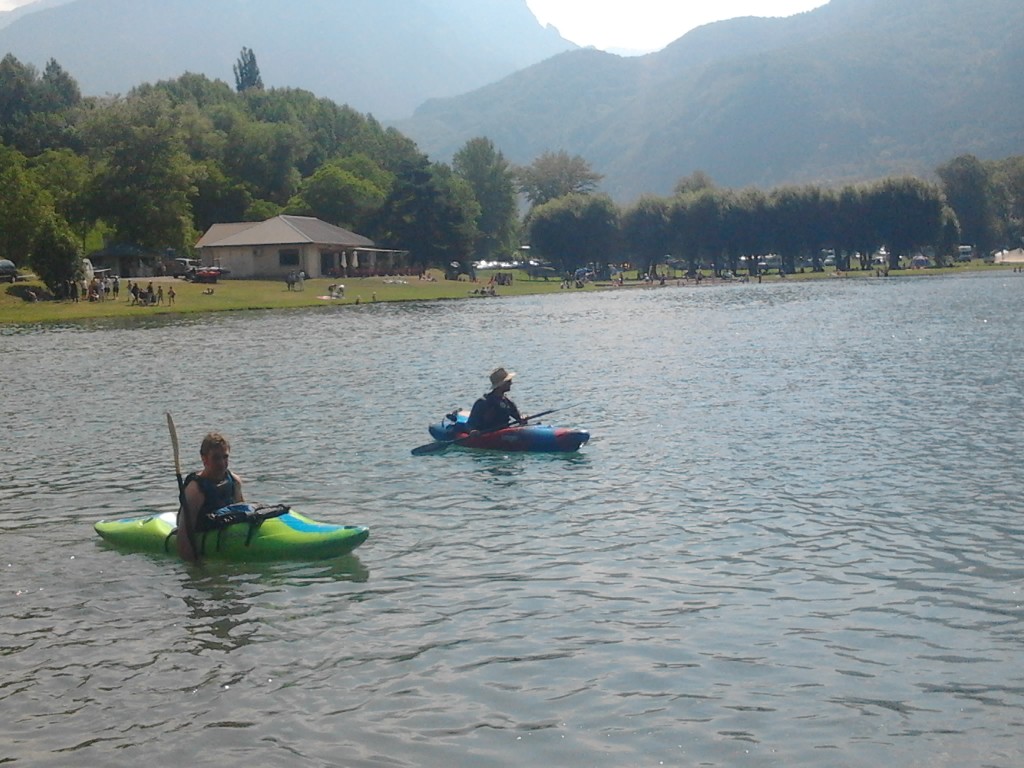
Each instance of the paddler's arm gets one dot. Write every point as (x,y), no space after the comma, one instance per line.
(514,411)
(476,415)
(187,518)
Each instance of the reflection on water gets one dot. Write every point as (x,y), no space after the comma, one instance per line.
(217,616)
(793,537)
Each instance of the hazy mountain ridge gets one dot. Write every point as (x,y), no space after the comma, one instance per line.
(854,90)
(380,56)
(9,17)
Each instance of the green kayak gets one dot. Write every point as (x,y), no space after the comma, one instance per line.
(290,536)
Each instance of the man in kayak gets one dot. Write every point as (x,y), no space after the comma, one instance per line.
(206,491)
(494,410)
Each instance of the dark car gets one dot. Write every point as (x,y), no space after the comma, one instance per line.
(8,272)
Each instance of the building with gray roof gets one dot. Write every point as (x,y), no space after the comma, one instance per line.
(283,245)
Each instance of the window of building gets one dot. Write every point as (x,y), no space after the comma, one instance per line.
(288,258)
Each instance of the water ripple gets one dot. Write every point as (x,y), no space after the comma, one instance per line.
(793,539)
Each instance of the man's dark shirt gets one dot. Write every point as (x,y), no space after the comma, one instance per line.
(492,411)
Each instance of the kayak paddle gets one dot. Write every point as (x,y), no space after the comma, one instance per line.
(177,471)
(177,458)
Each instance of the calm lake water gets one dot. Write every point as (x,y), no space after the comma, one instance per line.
(796,537)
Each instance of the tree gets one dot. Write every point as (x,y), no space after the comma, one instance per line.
(575,230)
(144,180)
(707,215)
(337,196)
(792,212)
(745,227)
(217,198)
(247,72)
(697,224)
(949,238)
(264,156)
(362,166)
(459,194)
(490,176)
(66,176)
(17,86)
(554,175)
(970,192)
(58,90)
(56,255)
(646,235)
(261,210)
(36,112)
(695,182)
(422,215)
(856,233)
(908,213)
(24,206)
(1009,174)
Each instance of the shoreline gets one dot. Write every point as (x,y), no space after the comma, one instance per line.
(244,295)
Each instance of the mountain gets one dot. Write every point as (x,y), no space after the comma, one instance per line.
(9,17)
(385,57)
(853,90)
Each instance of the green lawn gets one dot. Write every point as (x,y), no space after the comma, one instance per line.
(237,295)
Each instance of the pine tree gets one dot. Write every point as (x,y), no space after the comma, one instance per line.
(247,72)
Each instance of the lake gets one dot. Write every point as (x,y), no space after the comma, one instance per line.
(796,537)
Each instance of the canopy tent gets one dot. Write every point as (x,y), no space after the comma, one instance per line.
(1016,256)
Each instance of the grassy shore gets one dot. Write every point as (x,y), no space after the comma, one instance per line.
(237,295)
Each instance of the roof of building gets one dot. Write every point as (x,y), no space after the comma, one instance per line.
(281,230)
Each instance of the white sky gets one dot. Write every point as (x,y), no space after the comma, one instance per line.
(649,25)
(641,25)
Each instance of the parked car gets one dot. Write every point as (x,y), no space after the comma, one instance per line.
(8,272)
(205,274)
(182,267)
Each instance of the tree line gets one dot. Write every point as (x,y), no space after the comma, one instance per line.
(160,165)
(974,202)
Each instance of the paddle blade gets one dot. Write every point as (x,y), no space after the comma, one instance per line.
(435,447)
(174,443)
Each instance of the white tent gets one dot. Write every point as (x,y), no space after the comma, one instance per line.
(1016,256)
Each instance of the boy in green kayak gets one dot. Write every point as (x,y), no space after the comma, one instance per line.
(206,491)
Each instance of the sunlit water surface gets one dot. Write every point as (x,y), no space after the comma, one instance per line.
(795,539)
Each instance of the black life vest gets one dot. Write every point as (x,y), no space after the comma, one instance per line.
(215,496)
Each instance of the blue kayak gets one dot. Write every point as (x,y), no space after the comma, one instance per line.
(538,438)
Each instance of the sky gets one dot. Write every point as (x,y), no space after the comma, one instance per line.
(649,25)
(632,25)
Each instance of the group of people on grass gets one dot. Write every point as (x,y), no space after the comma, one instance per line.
(148,297)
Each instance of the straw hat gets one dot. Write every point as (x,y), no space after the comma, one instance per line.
(499,376)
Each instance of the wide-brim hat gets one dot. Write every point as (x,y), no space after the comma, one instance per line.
(499,376)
